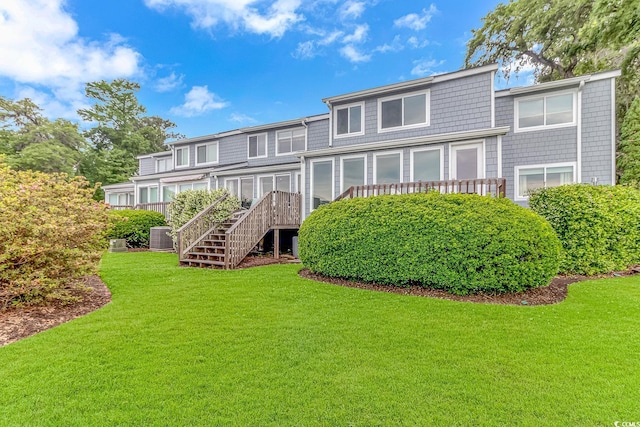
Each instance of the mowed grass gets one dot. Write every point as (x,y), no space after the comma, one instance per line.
(262,346)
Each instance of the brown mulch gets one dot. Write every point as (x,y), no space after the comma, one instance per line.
(554,293)
(260,260)
(18,323)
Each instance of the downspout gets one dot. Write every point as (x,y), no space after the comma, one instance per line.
(328,104)
(303,181)
(306,134)
(579,134)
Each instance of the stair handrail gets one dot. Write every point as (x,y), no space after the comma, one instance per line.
(273,209)
(197,228)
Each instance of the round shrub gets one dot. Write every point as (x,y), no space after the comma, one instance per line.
(134,226)
(599,226)
(463,244)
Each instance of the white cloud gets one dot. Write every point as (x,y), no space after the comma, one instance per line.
(40,47)
(241,118)
(395,46)
(169,83)
(422,67)
(359,35)
(416,43)
(353,54)
(198,101)
(305,50)
(274,20)
(416,22)
(351,10)
(330,38)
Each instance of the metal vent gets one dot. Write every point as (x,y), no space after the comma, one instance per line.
(159,239)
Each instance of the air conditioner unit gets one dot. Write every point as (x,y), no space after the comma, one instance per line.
(160,240)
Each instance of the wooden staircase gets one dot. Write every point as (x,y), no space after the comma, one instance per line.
(203,242)
(210,251)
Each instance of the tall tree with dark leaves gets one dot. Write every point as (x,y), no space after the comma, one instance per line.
(30,141)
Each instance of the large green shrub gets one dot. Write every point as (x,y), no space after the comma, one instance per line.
(134,226)
(51,234)
(599,226)
(189,203)
(460,243)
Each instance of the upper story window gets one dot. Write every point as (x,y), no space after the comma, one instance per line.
(541,112)
(257,146)
(207,153)
(163,165)
(406,111)
(349,120)
(289,141)
(182,157)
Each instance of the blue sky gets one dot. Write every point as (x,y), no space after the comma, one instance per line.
(215,65)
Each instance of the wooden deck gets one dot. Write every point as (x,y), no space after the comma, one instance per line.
(485,186)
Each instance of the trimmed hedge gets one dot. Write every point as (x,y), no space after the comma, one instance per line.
(463,244)
(599,226)
(134,226)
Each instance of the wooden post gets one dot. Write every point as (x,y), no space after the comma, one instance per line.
(276,243)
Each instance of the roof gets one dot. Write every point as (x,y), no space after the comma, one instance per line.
(556,84)
(381,90)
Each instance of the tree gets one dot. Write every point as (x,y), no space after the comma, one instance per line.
(33,142)
(629,148)
(537,33)
(120,133)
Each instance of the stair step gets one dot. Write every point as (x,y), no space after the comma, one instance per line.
(202,255)
(196,252)
(201,262)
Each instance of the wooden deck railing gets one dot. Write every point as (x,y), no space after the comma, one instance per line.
(197,228)
(276,209)
(484,186)
(156,207)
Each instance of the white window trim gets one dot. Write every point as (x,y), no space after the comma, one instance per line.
(426,92)
(385,153)
(259,179)
(335,120)
(275,180)
(516,112)
(247,177)
(148,187)
(418,150)
(289,153)
(207,145)
(333,185)
(295,182)
(453,173)
(266,145)
(164,159)
(175,163)
(545,166)
(342,159)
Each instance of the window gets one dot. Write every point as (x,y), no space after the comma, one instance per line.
(283,182)
(427,164)
(407,111)
(529,178)
(289,141)
(148,195)
(182,157)
(387,168)
(258,146)
(207,153)
(321,183)
(545,111)
(168,191)
(466,161)
(246,191)
(266,184)
(163,165)
(349,120)
(232,186)
(353,172)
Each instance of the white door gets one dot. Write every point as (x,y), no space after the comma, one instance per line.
(467,161)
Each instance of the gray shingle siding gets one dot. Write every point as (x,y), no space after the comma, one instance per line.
(596,132)
(147,166)
(455,105)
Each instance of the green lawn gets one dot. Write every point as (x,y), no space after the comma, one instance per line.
(181,346)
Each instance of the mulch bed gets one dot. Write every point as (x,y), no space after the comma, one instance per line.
(555,292)
(18,323)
